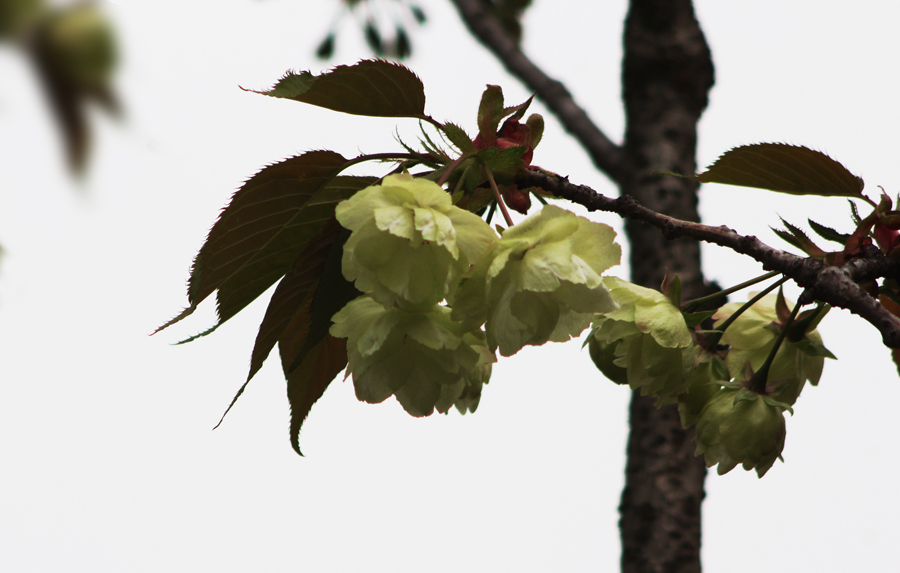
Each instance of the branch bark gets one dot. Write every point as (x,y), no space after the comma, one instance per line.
(838,286)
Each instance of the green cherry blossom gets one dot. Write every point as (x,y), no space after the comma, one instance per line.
(423,358)
(409,243)
(751,337)
(540,282)
(649,340)
(737,426)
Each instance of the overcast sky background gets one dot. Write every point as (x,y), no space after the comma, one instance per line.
(107,458)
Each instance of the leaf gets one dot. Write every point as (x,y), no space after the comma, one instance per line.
(490,112)
(800,240)
(371,87)
(458,137)
(295,291)
(783,168)
(502,159)
(264,228)
(517,112)
(307,383)
(692,319)
(828,233)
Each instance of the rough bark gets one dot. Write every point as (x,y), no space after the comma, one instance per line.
(666,75)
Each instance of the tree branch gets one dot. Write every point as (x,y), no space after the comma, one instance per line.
(606,155)
(835,285)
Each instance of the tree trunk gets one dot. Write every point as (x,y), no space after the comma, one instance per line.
(666,76)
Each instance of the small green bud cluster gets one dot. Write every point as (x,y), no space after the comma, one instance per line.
(647,344)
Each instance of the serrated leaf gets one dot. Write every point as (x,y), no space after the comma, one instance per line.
(307,383)
(490,112)
(295,291)
(787,237)
(854,213)
(265,227)
(784,168)
(458,137)
(517,112)
(803,242)
(828,233)
(502,159)
(371,87)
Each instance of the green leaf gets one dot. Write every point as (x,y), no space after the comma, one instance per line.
(536,123)
(371,87)
(828,233)
(307,383)
(801,241)
(854,213)
(783,168)
(458,137)
(502,159)
(692,319)
(517,112)
(490,112)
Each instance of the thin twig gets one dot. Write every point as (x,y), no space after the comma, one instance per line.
(606,155)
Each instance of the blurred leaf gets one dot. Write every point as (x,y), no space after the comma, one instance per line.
(371,87)
(373,38)
(74,52)
(784,168)
(418,14)
(403,47)
(326,48)
(265,227)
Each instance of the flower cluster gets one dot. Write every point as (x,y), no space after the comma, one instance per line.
(407,249)
(433,275)
(735,386)
(540,282)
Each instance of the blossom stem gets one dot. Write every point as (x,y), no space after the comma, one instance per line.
(758,382)
(694,304)
(715,337)
(450,169)
(490,177)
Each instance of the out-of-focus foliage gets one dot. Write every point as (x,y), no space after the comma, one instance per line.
(74,51)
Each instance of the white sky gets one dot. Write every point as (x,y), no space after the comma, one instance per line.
(107,458)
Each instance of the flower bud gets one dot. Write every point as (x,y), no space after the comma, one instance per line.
(738,426)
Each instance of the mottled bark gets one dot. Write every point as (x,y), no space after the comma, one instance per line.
(666,75)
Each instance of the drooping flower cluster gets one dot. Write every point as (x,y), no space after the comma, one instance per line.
(647,344)
(648,338)
(540,282)
(407,249)
(434,274)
